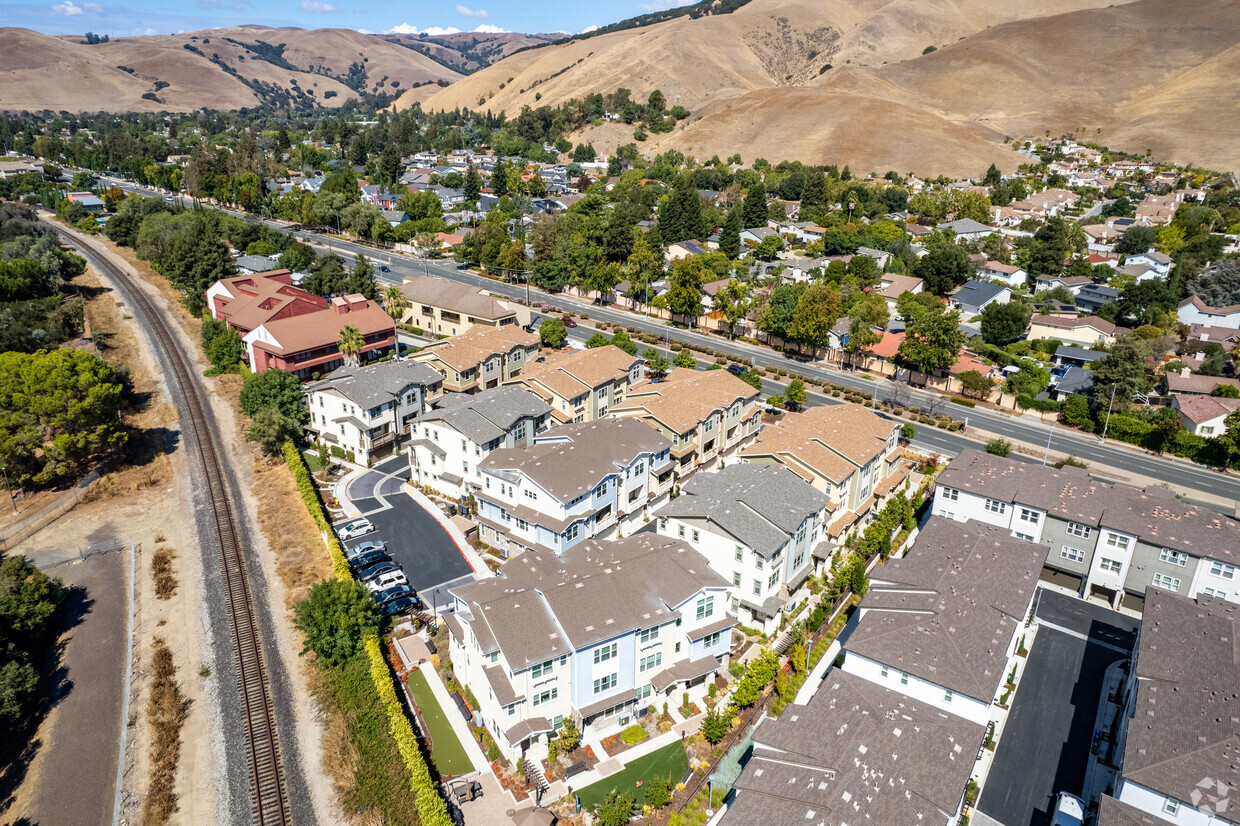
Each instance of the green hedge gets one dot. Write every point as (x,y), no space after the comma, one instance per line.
(1044,405)
(310,497)
(962,402)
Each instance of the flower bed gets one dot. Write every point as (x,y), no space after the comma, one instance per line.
(582,754)
(689,710)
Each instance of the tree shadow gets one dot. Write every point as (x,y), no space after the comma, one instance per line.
(21,743)
(145,445)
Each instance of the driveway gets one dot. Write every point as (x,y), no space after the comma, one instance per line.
(1045,745)
(415,540)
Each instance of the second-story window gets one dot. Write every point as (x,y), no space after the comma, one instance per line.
(605,653)
(541,669)
(705,606)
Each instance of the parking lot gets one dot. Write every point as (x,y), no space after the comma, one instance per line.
(1046,743)
(415,540)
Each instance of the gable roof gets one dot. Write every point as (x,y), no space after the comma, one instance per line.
(1199,409)
(686,397)
(977,293)
(303,332)
(488,415)
(831,440)
(375,384)
(1081,322)
(964,226)
(570,373)
(476,345)
(460,298)
(1195,383)
(255,299)
(1206,308)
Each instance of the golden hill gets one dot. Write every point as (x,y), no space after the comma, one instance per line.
(467,52)
(62,73)
(1146,73)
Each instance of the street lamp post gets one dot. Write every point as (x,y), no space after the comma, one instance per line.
(1050,436)
(1109,406)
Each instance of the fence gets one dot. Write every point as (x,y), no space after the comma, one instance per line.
(63,556)
(39,520)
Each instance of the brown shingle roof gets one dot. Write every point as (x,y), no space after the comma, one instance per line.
(1100,324)
(687,397)
(473,347)
(570,373)
(306,332)
(449,295)
(830,439)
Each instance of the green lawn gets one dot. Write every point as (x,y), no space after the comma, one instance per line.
(668,761)
(446,750)
(313,462)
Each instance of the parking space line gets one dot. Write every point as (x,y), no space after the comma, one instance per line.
(1078,635)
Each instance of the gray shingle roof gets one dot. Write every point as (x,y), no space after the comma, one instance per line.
(947,611)
(760,505)
(1078,353)
(377,383)
(858,753)
(977,293)
(1075,380)
(488,415)
(1184,736)
(1113,813)
(966,225)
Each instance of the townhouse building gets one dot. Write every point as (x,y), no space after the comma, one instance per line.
(480,358)
(453,438)
(596,636)
(591,479)
(1179,731)
(847,451)
(761,527)
(709,415)
(582,385)
(1102,540)
(362,413)
(443,307)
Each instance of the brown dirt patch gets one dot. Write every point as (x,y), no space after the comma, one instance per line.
(161,572)
(166,710)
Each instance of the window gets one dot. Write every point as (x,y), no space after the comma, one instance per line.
(757,560)
(573,531)
(903,678)
(653,661)
(546,696)
(494,657)
(648,634)
(1222,569)
(740,553)
(1168,582)
(736,603)
(797,560)
(736,579)
(512,710)
(1029,516)
(605,684)
(1214,592)
(1024,536)
(1118,542)
(541,669)
(639,468)
(884,672)
(757,587)
(709,425)
(995,506)
(680,531)
(950,494)
(695,535)
(711,640)
(1172,806)
(1071,554)
(1077,529)
(801,533)
(1173,557)
(705,606)
(531,494)
(1207,430)
(946,514)
(519,433)
(1110,565)
(605,653)
(770,583)
(947,696)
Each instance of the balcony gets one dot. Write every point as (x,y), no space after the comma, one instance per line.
(382,439)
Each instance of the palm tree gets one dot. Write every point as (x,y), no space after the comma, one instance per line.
(350,343)
(394,301)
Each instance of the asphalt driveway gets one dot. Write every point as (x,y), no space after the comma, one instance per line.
(415,540)
(1045,745)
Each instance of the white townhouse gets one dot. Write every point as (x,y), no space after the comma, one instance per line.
(761,527)
(451,440)
(597,636)
(590,479)
(362,413)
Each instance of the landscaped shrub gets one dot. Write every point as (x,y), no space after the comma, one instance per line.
(634,734)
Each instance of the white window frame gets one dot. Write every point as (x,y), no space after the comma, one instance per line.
(995,506)
(1222,570)
(1077,529)
(1173,557)
(1168,582)
(1110,566)
(1071,554)
(951,494)
(1118,542)
(606,652)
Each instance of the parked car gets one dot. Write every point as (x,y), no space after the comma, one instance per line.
(736,370)
(395,592)
(401,605)
(367,559)
(356,528)
(386,580)
(371,571)
(384,268)
(364,548)
(568,322)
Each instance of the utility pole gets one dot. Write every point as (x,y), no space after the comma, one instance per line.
(1047,455)
(1109,406)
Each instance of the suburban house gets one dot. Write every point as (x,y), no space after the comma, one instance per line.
(443,307)
(708,415)
(1185,383)
(9,169)
(966,229)
(1179,730)
(1159,262)
(685,249)
(971,297)
(597,636)
(847,451)
(256,264)
(1091,297)
(1086,331)
(1010,274)
(362,413)
(451,440)
(761,527)
(481,358)
(1100,539)
(582,385)
(755,236)
(1073,283)
(894,734)
(87,201)
(592,479)
(1074,380)
(891,286)
(1066,354)
(1204,415)
(1193,310)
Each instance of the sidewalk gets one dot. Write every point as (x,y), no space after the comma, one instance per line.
(481,569)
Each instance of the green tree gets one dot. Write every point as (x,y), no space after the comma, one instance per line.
(616,810)
(394,301)
(856,577)
(684,360)
(1225,391)
(1002,323)
(350,343)
(597,340)
(734,301)
(1122,372)
(271,429)
(974,384)
(622,340)
(730,234)
(945,266)
(656,364)
(225,351)
(473,184)
(932,339)
(685,296)
(30,607)
(658,791)
(768,247)
(752,378)
(999,447)
(552,333)
(334,616)
(362,279)
(780,305)
(297,257)
(570,737)
(1049,249)
(908,431)
(274,388)
(816,312)
(1075,412)
(327,276)
(795,396)
(753,209)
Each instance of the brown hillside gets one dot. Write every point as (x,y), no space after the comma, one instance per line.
(467,52)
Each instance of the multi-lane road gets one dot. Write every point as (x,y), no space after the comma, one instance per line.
(1107,459)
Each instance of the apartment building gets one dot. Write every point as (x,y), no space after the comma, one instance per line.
(595,636)
(448,308)
(761,527)
(1102,540)
(709,415)
(582,385)
(366,411)
(452,439)
(1180,730)
(592,479)
(480,359)
(847,451)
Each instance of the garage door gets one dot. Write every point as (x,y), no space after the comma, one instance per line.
(1062,578)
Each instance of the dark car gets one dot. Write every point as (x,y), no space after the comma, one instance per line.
(395,592)
(401,605)
(568,322)
(384,268)
(367,574)
(367,559)
(736,369)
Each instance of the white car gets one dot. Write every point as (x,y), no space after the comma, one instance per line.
(387,580)
(356,528)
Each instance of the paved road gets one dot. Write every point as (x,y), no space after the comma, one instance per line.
(1180,474)
(1046,742)
(428,554)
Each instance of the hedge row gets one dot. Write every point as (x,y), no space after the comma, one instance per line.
(310,497)
(1044,405)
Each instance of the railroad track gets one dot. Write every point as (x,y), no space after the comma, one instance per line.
(269,795)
